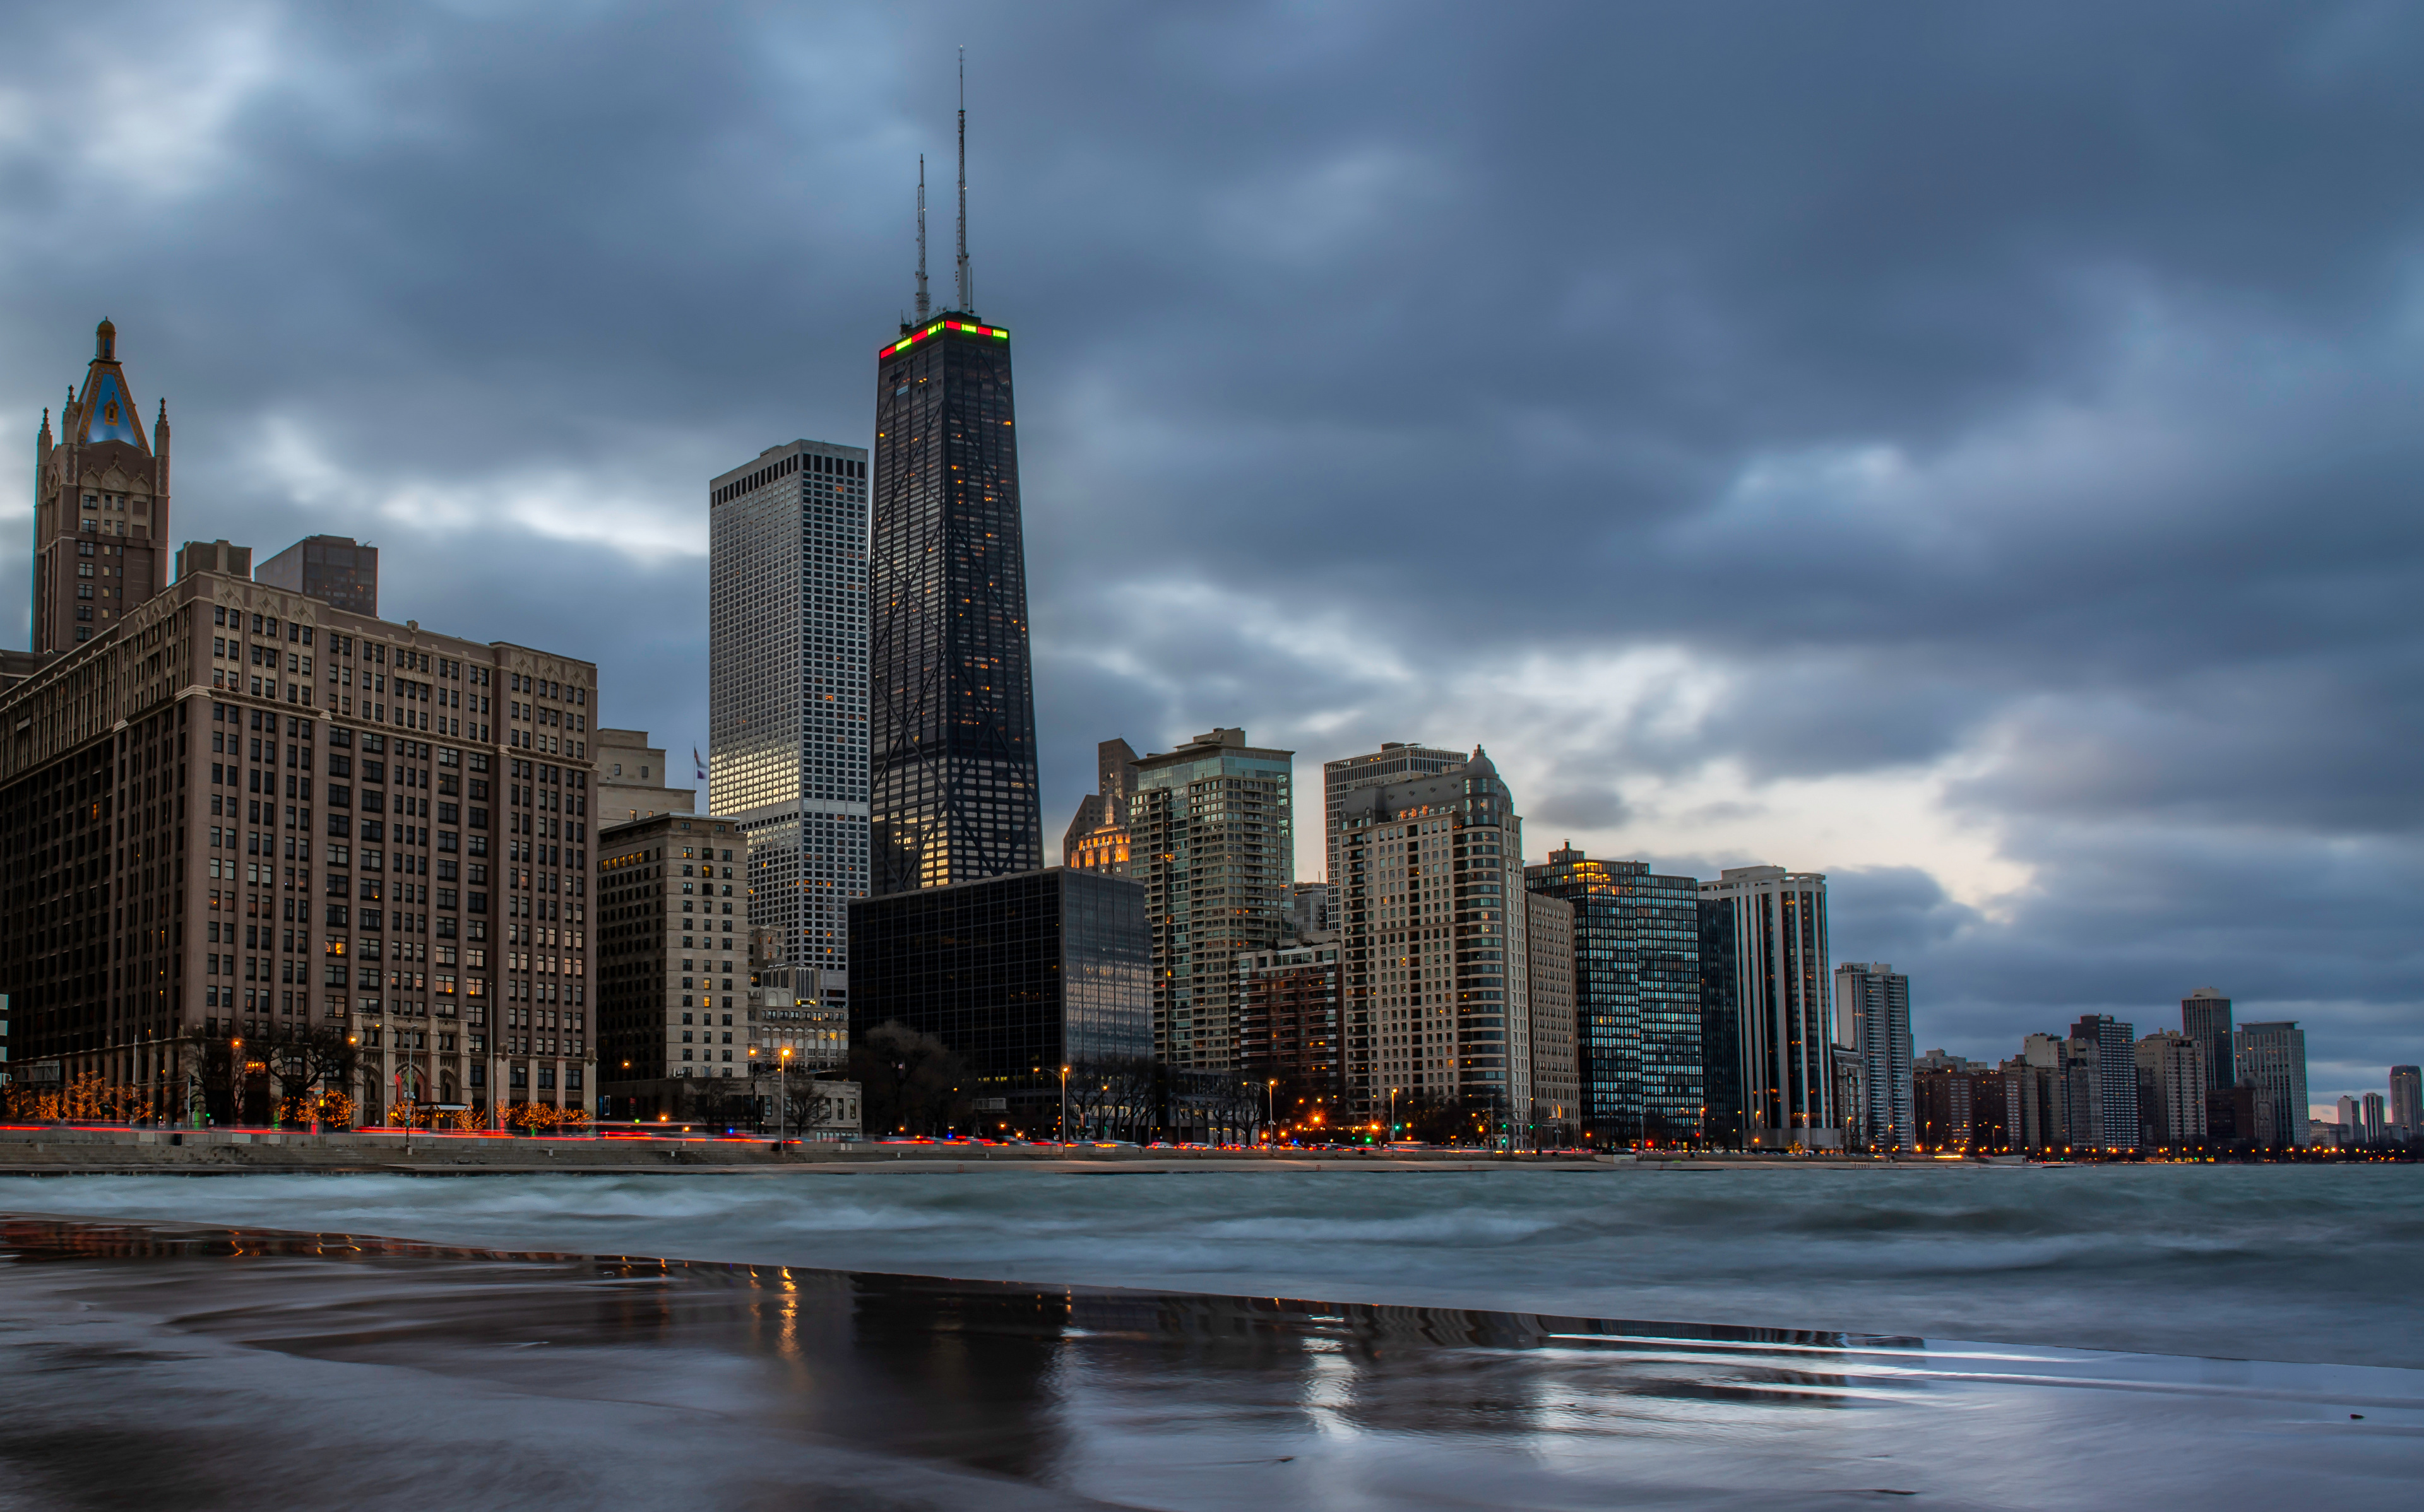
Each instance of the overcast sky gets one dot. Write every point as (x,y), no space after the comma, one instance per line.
(1968,450)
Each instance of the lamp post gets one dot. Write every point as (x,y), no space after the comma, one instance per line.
(1392,1116)
(1064,1111)
(1270,1109)
(783,1100)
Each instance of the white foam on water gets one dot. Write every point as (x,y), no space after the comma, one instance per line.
(2174,1260)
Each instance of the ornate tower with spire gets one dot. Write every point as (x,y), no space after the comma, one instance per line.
(101,506)
(952,700)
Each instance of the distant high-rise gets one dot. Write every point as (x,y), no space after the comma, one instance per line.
(1636,995)
(101,506)
(2205,1017)
(1395,761)
(953,726)
(786,695)
(2172,1087)
(1213,840)
(2272,1059)
(1427,893)
(1555,1116)
(2104,1083)
(335,569)
(2371,1118)
(2407,1101)
(1873,1019)
(1772,924)
(1097,839)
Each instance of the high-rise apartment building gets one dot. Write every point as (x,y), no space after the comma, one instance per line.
(1395,761)
(951,691)
(2272,1059)
(1213,838)
(1873,1021)
(1291,1035)
(2172,1091)
(239,810)
(1428,899)
(335,569)
(2038,1082)
(1555,1118)
(101,507)
(2205,1017)
(1637,996)
(1771,932)
(2371,1118)
(2407,1101)
(2104,1084)
(787,692)
(1097,839)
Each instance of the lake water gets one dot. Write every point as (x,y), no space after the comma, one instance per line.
(1988,1337)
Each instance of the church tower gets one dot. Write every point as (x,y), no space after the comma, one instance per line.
(101,507)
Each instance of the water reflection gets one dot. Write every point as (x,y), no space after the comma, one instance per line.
(1162,1399)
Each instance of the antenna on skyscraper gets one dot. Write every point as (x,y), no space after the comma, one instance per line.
(967,294)
(922,239)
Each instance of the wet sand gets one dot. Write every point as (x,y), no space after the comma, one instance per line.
(213,1367)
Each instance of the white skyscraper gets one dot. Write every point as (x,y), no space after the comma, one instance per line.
(787,694)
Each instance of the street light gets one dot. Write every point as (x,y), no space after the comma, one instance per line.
(783,1100)
(1064,1111)
(1270,1102)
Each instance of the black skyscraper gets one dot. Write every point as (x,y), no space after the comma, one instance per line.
(951,711)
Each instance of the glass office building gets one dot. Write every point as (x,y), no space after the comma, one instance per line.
(951,696)
(1767,1001)
(1636,995)
(1019,975)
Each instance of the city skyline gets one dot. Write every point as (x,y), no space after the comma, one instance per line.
(1988,833)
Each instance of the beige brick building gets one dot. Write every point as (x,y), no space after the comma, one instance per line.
(238,812)
(1556,1080)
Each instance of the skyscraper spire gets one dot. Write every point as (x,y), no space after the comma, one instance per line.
(922,305)
(967,287)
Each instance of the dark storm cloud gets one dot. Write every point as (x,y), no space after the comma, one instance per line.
(2021,395)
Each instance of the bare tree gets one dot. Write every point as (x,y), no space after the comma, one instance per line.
(908,1080)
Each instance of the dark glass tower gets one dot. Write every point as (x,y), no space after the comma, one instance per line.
(951,724)
(1636,995)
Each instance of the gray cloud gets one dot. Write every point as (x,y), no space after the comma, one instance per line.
(2012,403)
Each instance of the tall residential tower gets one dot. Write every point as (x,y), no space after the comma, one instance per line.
(1873,1021)
(1211,836)
(1431,906)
